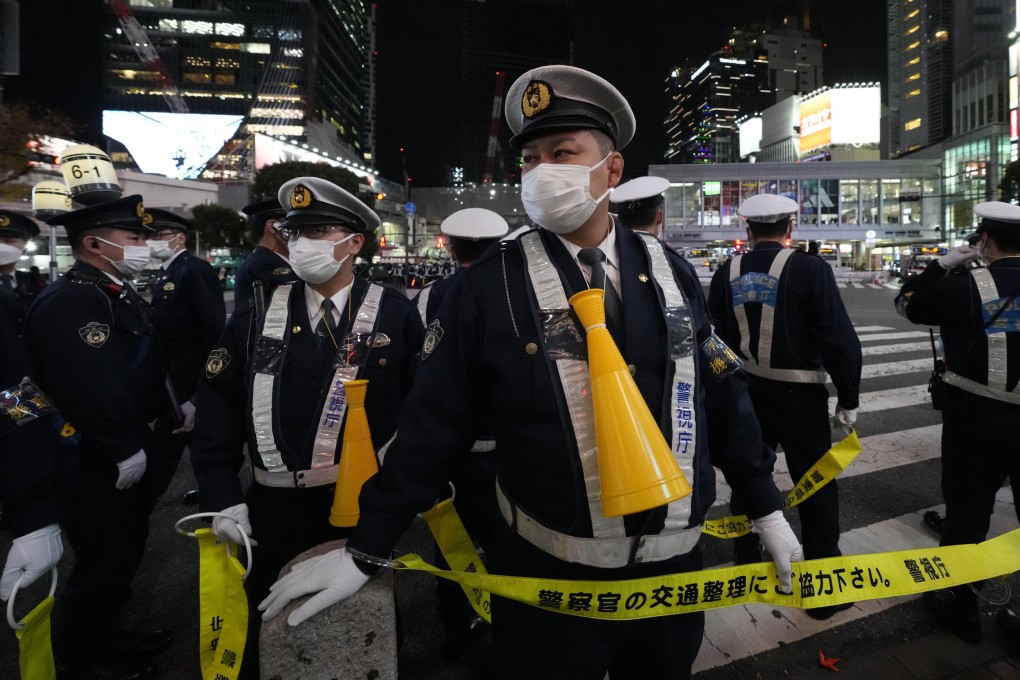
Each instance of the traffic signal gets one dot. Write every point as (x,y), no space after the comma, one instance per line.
(380,196)
(439,242)
(382,241)
(738,244)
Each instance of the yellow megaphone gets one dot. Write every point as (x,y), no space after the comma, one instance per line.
(637,469)
(357,458)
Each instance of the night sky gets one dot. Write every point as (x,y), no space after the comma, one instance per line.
(633,45)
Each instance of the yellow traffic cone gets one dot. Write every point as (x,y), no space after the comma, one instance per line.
(357,458)
(636,466)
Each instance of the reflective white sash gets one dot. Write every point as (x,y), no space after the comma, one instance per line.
(335,405)
(423,303)
(610,546)
(764,288)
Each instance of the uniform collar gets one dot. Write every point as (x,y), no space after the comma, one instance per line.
(177,253)
(608,246)
(313,302)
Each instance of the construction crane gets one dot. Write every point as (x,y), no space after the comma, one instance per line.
(147,53)
(497,110)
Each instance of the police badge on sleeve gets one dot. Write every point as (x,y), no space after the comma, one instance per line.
(433,334)
(94,334)
(218,360)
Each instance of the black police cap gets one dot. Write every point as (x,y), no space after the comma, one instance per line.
(158,220)
(258,213)
(124,213)
(15,225)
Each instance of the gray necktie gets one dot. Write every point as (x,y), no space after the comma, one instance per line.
(594,257)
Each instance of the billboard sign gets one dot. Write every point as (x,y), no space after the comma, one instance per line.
(750,136)
(269,150)
(842,115)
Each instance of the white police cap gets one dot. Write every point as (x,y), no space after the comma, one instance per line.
(560,97)
(998,211)
(311,201)
(474,224)
(638,189)
(767,208)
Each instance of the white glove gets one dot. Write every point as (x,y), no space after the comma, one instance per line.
(845,416)
(333,577)
(188,409)
(958,256)
(230,528)
(131,470)
(778,538)
(31,556)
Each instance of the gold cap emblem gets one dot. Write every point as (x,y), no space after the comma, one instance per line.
(140,210)
(4,220)
(300,197)
(536,99)
(147,219)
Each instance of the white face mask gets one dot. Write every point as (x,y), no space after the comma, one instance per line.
(9,254)
(162,250)
(312,258)
(557,197)
(135,258)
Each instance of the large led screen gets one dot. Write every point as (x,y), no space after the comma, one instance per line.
(177,145)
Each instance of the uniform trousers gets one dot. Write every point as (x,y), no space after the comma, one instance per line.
(533,643)
(979,452)
(796,416)
(107,529)
(165,456)
(285,522)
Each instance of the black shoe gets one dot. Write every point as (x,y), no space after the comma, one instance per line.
(823,613)
(956,611)
(1009,621)
(190,498)
(933,519)
(747,549)
(457,641)
(117,668)
(144,644)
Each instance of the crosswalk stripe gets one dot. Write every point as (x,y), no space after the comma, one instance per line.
(899,335)
(896,368)
(894,349)
(893,286)
(873,285)
(882,400)
(738,632)
(869,329)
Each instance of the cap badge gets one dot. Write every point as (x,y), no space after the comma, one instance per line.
(536,99)
(433,334)
(300,197)
(218,360)
(5,221)
(140,210)
(94,334)
(147,219)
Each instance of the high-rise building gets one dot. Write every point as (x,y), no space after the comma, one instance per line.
(498,37)
(756,68)
(301,70)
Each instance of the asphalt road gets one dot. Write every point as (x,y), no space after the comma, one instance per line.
(165,593)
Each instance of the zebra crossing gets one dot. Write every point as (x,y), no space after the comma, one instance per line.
(900,434)
(868,284)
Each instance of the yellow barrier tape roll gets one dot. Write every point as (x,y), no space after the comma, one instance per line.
(222,609)
(817,583)
(34,647)
(459,551)
(828,467)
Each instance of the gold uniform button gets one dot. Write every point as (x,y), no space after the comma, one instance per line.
(531,348)
(643,278)
(295,329)
(632,368)
(382,362)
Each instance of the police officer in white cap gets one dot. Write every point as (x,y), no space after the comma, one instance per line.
(781,311)
(979,320)
(640,204)
(505,350)
(275,372)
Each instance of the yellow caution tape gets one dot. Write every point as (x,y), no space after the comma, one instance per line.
(825,470)
(817,583)
(459,551)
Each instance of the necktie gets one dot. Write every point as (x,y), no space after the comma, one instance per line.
(7,284)
(327,325)
(594,258)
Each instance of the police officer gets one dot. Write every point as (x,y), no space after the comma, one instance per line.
(504,350)
(94,350)
(640,204)
(782,312)
(469,233)
(979,320)
(268,261)
(15,232)
(189,313)
(287,395)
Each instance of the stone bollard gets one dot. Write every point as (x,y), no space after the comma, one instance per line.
(356,638)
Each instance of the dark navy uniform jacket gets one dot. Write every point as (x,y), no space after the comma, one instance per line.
(485,369)
(264,265)
(188,309)
(32,455)
(223,422)
(950,300)
(93,349)
(27,291)
(812,329)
